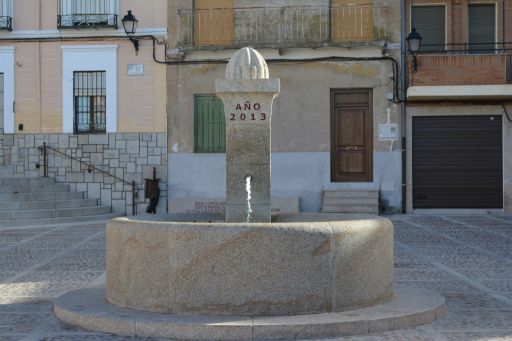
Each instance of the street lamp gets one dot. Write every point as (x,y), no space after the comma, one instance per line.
(414,43)
(130,27)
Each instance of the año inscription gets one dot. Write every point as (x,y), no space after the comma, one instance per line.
(248,112)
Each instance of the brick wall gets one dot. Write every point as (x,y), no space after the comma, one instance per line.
(128,156)
(459,70)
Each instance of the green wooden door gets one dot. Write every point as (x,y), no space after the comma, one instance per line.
(209,125)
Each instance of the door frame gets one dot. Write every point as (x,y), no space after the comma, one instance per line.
(368,128)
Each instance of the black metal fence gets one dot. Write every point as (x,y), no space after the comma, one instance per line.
(86,13)
(6,15)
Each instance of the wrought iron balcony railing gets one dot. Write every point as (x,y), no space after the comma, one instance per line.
(6,23)
(87,13)
(280,27)
(6,15)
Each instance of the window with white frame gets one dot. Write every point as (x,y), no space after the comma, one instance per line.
(87,13)
(1,102)
(6,15)
(430,22)
(89,86)
(7,88)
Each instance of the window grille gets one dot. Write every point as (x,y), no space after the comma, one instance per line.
(6,15)
(90,101)
(85,13)
(209,125)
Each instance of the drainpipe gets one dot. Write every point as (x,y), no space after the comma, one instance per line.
(403,107)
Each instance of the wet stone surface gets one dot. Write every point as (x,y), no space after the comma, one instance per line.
(465,258)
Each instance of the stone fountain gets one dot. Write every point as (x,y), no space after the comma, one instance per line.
(250,274)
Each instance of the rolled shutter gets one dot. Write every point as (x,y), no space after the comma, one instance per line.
(482,28)
(430,22)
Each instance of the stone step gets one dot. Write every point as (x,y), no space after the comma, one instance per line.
(61,220)
(372,209)
(351,194)
(27,181)
(34,188)
(40,196)
(350,201)
(55,213)
(40,205)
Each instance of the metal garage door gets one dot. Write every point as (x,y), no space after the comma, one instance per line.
(457,162)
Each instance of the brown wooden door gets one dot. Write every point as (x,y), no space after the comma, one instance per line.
(351,135)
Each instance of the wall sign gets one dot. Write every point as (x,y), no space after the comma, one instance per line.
(135,69)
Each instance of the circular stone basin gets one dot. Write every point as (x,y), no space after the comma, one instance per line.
(299,264)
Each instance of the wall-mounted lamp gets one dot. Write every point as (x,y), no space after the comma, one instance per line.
(414,44)
(130,27)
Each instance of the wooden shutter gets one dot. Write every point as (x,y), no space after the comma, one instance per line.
(430,22)
(352,20)
(210,127)
(213,22)
(482,28)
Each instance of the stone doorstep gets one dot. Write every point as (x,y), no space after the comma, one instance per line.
(34,188)
(87,308)
(345,194)
(47,204)
(40,196)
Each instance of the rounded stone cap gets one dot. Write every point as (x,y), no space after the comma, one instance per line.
(247,63)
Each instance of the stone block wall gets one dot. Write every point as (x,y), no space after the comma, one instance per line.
(129,156)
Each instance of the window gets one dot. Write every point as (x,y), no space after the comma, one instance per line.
(209,125)
(7,88)
(6,15)
(90,101)
(1,102)
(430,22)
(481,28)
(87,13)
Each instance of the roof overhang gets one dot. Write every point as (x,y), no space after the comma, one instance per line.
(459,92)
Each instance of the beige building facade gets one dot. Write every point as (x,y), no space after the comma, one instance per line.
(336,122)
(72,79)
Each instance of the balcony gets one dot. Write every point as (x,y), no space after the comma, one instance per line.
(461,72)
(281,27)
(6,15)
(87,14)
(460,64)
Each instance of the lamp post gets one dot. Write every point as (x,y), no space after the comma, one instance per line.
(130,27)
(414,44)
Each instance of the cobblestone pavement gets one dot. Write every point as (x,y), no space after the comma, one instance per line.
(466,258)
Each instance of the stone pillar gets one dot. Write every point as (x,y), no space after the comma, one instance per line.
(247,93)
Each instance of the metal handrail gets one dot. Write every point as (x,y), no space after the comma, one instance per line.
(465,48)
(44,149)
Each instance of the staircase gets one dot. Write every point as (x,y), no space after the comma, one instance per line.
(42,201)
(351,201)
